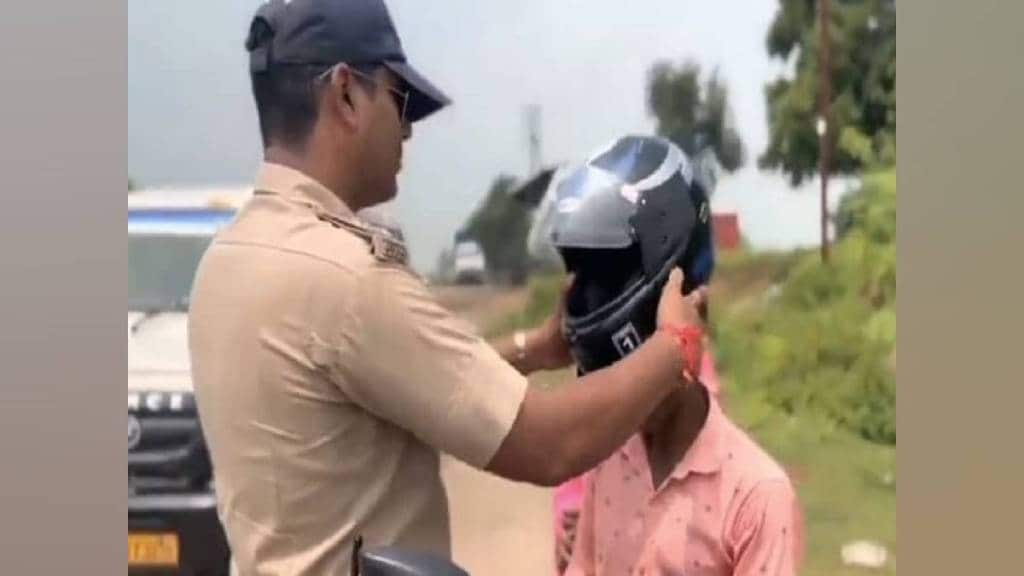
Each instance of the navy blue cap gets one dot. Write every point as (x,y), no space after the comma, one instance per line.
(327,32)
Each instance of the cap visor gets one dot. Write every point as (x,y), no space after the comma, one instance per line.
(424,97)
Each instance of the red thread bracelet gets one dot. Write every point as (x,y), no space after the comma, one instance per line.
(691,344)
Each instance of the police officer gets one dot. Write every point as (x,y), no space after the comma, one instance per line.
(327,377)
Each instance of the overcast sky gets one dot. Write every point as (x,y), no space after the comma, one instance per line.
(191,121)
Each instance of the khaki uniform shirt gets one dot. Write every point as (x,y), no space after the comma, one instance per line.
(327,379)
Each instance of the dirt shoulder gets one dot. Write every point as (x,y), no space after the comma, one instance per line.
(498,527)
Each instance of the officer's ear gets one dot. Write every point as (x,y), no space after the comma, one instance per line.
(340,99)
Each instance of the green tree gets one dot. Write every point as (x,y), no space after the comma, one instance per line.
(863,55)
(691,115)
(500,225)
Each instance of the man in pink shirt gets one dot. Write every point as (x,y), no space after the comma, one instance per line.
(691,493)
(568,499)
(750,518)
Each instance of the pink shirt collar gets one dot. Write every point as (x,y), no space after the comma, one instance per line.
(704,455)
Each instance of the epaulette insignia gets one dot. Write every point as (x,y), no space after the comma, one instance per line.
(383,246)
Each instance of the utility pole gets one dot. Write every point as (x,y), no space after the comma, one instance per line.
(825,124)
(533,134)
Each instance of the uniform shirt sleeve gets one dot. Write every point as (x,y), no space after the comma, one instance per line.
(582,563)
(405,358)
(766,538)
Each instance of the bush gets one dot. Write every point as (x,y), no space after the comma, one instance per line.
(824,344)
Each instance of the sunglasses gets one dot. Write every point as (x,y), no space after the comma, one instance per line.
(400,97)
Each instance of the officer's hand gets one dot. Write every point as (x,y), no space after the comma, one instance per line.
(550,347)
(674,309)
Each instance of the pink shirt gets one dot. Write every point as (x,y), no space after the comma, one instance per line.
(727,508)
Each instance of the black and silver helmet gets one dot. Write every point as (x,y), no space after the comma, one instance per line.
(621,221)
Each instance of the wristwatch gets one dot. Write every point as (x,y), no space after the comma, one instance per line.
(519,338)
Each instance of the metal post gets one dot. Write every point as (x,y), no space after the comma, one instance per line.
(825,136)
